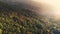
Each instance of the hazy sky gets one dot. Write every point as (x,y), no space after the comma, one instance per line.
(55,5)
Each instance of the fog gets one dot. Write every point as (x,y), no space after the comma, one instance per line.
(55,6)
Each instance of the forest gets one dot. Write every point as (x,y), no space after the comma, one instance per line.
(18,20)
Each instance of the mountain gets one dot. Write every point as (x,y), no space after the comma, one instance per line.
(21,19)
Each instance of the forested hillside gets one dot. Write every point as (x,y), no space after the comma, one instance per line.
(19,20)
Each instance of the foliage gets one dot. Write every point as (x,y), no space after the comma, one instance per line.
(23,21)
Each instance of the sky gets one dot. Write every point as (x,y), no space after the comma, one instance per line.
(55,5)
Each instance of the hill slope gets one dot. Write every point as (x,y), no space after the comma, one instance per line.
(20,20)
